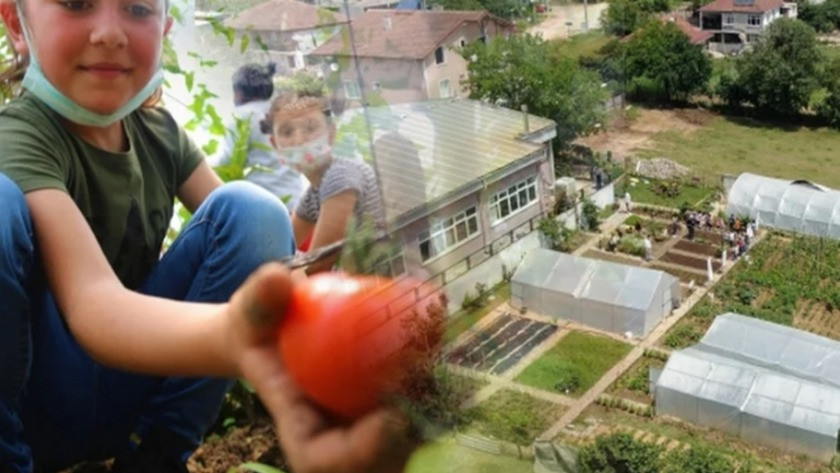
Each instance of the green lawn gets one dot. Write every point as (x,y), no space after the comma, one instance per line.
(736,145)
(643,192)
(586,44)
(449,457)
(463,320)
(579,356)
(513,416)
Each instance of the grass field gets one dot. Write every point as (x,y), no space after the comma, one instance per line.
(734,145)
(585,44)
(642,192)
(513,416)
(449,457)
(578,355)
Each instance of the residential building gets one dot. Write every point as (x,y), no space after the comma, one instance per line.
(739,23)
(290,29)
(459,176)
(404,56)
(695,35)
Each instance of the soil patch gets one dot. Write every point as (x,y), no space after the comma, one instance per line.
(255,443)
(688,261)
(623,137)
(696,248)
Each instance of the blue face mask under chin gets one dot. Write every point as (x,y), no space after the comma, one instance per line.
(36,83)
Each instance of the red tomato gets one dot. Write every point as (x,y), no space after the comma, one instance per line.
(346,340)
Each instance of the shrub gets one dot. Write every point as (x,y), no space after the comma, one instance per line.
(619,453)
(697,459)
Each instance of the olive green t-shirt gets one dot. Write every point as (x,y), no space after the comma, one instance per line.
(126,198)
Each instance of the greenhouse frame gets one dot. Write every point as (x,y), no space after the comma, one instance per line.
(608,296)
(767,383)
(797,206)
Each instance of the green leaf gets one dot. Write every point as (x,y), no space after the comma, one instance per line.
(259,468)
(211,147)
(244,42)
(189,80)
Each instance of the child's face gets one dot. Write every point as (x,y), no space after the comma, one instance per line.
(99,53)
(294,128)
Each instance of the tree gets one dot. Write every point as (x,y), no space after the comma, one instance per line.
(619,453)
(520,71)
(459,5)
(779,74)
(829,108)
(622,17)
(696,459)
(501,8)
(662,64)
(823,17)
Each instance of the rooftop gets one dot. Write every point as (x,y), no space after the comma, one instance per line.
(402,34)
(742,6)
(286,16)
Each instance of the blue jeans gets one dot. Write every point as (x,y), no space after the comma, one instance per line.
(57,405)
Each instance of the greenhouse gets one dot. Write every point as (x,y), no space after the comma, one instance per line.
(797,206)
(608,296)
(767,383)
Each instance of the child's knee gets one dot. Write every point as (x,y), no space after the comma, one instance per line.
(259,215)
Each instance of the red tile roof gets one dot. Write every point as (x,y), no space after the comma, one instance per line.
(403,34)
(757,6)
(695,34)
(285,15)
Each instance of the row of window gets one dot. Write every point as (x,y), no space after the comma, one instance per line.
(446,234)
(752,20)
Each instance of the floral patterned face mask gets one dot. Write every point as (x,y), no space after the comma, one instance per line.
(307,157)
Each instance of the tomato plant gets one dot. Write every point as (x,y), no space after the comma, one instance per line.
(350,342)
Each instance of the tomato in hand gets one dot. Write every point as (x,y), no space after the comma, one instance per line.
(348,341)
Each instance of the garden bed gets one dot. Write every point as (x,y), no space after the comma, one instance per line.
(683,275)
(574,364)
(697,248)
(689,261)
(513,416)
(787,281)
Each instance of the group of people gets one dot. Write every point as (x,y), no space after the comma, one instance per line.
(739,235)
(107,348)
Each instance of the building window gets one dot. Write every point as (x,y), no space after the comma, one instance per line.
(439,55)
(446,234)
(392,264)
(513,199)
(463,42)
(444,91)
(728,19)
(351,90)
(754,20)
(752,38)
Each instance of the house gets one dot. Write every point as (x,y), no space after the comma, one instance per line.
(738,23)
(457,175)
(290,29)
(403,56)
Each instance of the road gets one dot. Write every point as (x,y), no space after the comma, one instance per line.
(554,26)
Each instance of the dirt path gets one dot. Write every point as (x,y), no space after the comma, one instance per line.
(554,26)
(624,137)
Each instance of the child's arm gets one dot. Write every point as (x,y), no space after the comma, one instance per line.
(117,326)
(331,226)
(135,332)
(198,186)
